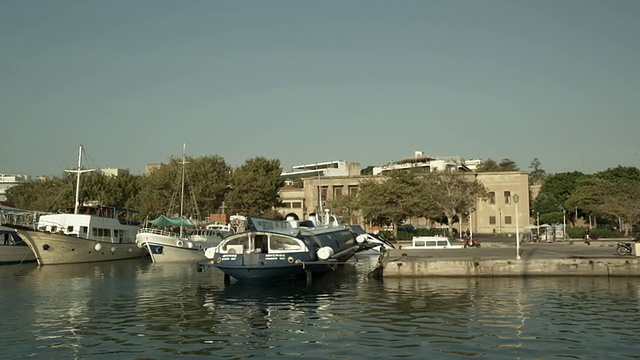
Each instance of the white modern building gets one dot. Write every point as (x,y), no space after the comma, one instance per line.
(324,169)
(113,171)
(429,163)
(9,180)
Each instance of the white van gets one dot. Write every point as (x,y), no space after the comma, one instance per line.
(432,242)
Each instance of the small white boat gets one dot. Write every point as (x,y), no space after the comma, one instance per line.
(91,233)
(188,245)
(12,249)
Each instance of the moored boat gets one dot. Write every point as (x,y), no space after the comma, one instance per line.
(12,249)
(92,232)
(187,245)
(371,244)
(176,239)
(271,250)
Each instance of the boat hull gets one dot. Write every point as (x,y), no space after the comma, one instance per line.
(170,249)
(275,251)
(162,253)
(273,267)
(16,254)
(50,248)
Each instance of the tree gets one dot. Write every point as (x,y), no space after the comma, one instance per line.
(208,180)
(587,196)
(391,200)
(546,203)
(367,171)
(623,202)
(57,194)
(51,195)
(450,194)
(561,186)
(596,196)
(508,165)
(490,165)
(254,187)
(206,183)
(620,174)
(343,207)
(554,192)
(537,175)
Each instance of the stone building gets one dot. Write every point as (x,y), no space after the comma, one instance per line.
(495,214)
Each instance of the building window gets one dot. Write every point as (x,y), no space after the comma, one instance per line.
(323,193)
(507,220)
(507,197)
(296,205)
(286,205)
(337,191)
(353,190)
(492,197)
(492,220)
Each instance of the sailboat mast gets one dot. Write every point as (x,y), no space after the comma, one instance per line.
(78,171)
(77,201)
(184,151)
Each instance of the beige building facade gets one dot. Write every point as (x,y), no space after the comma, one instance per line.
(506,206)
(495,214)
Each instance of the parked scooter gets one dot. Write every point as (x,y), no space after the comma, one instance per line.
(623,248)
(468,242)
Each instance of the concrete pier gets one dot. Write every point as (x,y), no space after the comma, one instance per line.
(495,259)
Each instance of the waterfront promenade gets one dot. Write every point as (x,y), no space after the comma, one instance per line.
(498,257)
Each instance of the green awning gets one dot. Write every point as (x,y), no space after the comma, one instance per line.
(164,221)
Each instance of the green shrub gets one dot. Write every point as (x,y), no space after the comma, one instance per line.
(578,233)
(429,232)
(605,233)
(575,232)
(405,235)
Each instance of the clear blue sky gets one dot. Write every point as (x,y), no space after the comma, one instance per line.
(308,81)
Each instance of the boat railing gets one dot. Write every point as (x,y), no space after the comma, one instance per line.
(158,231)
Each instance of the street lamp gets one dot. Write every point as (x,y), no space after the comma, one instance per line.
(515,200)
(564,225)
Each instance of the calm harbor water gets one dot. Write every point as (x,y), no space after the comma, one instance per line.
(138,310)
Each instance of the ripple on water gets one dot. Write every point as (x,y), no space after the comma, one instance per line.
(164,312)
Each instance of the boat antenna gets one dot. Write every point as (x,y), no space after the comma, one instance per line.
(78,171)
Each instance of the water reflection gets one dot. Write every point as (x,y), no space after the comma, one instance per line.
(135,309)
